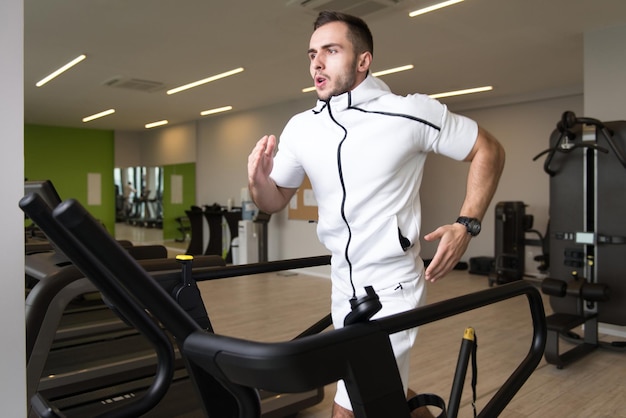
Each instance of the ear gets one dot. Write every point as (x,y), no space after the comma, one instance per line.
(364,61)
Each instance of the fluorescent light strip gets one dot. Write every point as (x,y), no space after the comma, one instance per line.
(393,70)
(157,123)
(61,70)
(461,92)
(205,80)
(216,110)
(376,74)
(434,7)
(98,115)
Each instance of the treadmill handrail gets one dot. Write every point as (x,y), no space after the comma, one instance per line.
(257,364)
(35,207)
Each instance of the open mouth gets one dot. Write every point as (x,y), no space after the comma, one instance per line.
(320,81)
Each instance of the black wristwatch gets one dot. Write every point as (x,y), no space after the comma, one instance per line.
(471,224)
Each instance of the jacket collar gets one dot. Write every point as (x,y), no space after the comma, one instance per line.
(371,88)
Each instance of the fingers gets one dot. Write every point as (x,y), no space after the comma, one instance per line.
(438,268)
(260,159)
(435,235)
(452,245)
(270,147)
(265,147)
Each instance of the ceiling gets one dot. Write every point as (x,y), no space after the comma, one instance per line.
(524,48)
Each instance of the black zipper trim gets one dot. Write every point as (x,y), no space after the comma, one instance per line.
(343,200)
(400,115)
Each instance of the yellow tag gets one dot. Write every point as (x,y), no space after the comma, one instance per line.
(184,257)
(469,334)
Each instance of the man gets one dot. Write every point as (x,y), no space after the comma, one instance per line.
(129,194)
(363,148)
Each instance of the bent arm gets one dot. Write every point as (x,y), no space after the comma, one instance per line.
(268,197)
(486,164)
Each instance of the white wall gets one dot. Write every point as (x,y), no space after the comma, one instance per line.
(12,360)
(168,145)
(605,74)
(127,149)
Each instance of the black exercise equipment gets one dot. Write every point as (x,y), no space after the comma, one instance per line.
(587,168)
(512,224)
(299,365)
(214,215)
(136,315)
(93,350)
(98,357)
(196,225)
(562,323)
(184,228)
(363,308)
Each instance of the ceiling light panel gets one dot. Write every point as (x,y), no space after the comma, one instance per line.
(205,80)
(216,110)
(99,115)
(157,123)
(434,7)
(461,92)
(61,70)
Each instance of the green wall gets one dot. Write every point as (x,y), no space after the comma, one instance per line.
(171,211)
(66,156)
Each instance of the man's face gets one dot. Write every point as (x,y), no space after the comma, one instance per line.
(333,61)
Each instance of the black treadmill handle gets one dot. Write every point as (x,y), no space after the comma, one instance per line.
(39,211)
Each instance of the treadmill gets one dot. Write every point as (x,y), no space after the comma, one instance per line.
(88,362)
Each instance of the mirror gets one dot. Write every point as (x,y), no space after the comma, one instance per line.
(139,196)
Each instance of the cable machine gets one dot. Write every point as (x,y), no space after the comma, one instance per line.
(587,168)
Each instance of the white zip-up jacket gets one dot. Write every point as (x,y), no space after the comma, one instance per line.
(364,152)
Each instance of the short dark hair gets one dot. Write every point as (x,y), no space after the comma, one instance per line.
(358,31)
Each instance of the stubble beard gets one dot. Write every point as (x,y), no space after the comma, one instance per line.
(343,83)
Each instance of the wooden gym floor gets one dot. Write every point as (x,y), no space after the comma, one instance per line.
(275,307)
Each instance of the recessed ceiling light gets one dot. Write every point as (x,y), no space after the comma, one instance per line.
(205,80)
(157,123)
(216,110)
(60,70)
(434,7)
(98,115)
(461,92)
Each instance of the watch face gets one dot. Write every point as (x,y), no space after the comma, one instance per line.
(472,225)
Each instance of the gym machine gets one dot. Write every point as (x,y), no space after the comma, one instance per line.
(89,362)
(587,168)
(228,371)
(215,216)
(512,224)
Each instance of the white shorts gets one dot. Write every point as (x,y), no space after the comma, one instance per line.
(402,297)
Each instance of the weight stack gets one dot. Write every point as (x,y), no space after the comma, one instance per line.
(510,241)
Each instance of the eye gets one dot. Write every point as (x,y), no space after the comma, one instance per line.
(311,56)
